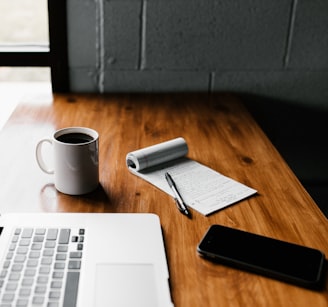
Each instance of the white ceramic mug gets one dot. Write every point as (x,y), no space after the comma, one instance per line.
(76,164)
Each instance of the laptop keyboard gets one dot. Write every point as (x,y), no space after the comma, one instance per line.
(42,268)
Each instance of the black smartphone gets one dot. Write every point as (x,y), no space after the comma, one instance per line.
(274,258)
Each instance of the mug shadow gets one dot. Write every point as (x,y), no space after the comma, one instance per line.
(54,201)
(97,200)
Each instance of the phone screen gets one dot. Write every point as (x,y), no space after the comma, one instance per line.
(267,256)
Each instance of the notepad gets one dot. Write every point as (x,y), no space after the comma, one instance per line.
(201,187)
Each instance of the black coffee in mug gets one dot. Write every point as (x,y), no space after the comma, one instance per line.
(74,138)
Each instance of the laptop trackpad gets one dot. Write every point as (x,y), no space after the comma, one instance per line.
(125,285)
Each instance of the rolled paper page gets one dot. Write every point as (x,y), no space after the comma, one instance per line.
(157,154)
(201,187)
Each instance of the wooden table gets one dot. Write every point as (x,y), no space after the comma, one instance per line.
(221,134)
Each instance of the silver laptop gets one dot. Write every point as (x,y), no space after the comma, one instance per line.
(83,259)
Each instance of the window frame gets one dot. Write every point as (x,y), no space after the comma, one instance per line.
(54,55)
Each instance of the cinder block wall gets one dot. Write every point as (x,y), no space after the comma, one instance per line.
(276,49)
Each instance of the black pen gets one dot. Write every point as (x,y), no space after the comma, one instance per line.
(178,199)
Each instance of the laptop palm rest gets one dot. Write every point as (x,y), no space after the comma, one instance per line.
(125,285)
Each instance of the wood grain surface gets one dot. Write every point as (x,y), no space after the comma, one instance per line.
(220,134)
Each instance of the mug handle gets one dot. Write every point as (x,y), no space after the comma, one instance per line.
(39,157)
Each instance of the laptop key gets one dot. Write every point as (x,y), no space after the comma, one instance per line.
(12,246)
(3,273)
(40,231)
(34,254)
(64,236)
(38,300)
(6,264)
(36,246)
(74,264)
(42,280)
(58,275)
(9,297)
(44,270)
(27,282)
(9,255)
(56,285)
(22,303)
(40,289)
(55,295)
(25,292)
(38,239)
(29,273)
(61,257)
(71,289)
(22,250)
(17,267)
(62,248)
(52,234)
(11,286)
(24,242)
(48,252)
(59,265)
(14,276)
(27,233)
(75,255)
(19,258)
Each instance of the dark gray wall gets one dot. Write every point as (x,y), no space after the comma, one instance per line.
(274,49)
(277,49)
